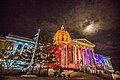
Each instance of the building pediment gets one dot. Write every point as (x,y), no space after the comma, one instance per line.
(13,38)
(83,42)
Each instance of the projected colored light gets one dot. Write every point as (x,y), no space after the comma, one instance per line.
(89,57)
(18,46)
(99,60)
(85,56)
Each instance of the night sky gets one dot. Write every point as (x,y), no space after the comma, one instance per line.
(24,17)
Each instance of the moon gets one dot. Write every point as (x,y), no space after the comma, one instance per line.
(91,28)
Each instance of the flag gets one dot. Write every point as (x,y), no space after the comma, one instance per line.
(34,39)
(35,36)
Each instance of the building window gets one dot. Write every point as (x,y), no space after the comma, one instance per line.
(10,46)
(19,48)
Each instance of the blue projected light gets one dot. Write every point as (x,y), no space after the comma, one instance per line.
(22,40)
(99,60)
(18,59)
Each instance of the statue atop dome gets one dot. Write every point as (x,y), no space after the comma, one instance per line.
(62,27)
(61,36)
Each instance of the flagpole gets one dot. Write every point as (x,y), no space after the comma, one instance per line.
(34,50)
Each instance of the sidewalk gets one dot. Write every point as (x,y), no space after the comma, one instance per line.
(28,76)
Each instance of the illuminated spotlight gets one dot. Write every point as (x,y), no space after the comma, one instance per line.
(76,41)
(0,59)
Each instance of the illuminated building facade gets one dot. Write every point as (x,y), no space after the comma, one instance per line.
(2,44)
(79,53)
(103,63)
(76,53)
(17,52)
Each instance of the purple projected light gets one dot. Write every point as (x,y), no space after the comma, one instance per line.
(89,56)
(85,56)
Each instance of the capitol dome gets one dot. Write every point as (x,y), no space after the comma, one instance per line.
(61,36)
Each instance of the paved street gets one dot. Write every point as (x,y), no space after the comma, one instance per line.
(87,77)
(73,76)
(39,78)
